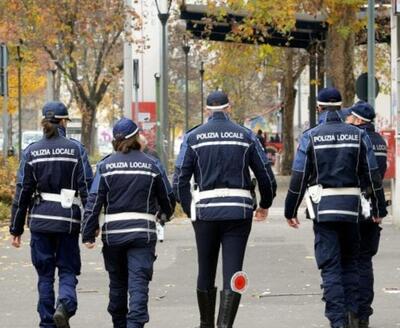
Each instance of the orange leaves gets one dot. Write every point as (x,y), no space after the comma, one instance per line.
(32,81)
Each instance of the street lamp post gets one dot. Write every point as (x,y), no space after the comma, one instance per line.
(19,59)
(163,17)
(186,49)
(371,53)
(202,90)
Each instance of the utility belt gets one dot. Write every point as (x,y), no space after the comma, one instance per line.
(127,216)
(215,193)
(66,197)
(315,193)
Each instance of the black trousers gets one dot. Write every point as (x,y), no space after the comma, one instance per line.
(210,235)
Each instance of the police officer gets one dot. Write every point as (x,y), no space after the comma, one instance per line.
(362,115)
(52,185)
(330,161)
(219,154)
(134,190)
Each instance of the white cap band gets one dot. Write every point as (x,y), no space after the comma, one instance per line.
(339,103)
(218,107)
(132,134)
(359,116)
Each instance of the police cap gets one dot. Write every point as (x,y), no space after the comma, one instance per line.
(217,100)
(124,129)
(363,110)
(329,97)
(55,111)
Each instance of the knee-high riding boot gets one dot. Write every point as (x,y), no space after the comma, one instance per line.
(206,302)
(228,306)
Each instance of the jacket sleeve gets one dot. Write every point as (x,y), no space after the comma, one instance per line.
(26,185)
(264,175)
(300,174)
(164,193)
(369,172)
(184,169)
(87,169)
(82,182)
(94,204)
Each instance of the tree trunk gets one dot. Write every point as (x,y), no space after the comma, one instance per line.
(340,54)
(88,127)
(288,112)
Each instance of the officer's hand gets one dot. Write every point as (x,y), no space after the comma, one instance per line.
(16,241)
(377,220)
(90,245)
(293,222)
(261,214)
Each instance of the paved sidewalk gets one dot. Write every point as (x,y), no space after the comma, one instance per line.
(284,287)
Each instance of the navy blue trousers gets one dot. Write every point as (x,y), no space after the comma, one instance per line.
(130,269)
(370,233)
(50,251)
(336,251)
(210,235)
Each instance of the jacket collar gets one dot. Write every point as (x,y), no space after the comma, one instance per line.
(61,131)
(220,115)
(330,117)
(367,127)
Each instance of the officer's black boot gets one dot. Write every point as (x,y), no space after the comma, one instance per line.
(228,306)
(353,320)
(363,323)
(206,302)
(61,317)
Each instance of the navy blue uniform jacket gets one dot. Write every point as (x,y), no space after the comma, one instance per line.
(48,166)
(132,187)
(335,155)
(219,154)
(380,150)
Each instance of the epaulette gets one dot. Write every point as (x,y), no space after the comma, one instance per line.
(77,141)
(108,155)
(195,127)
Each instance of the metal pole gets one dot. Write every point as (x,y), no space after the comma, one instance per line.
(164,84)
(19,59)
(312,99)
(4,77)
(128,72)
(371,52)
(186,50)
(202,90)
(299,102)
(136,86)
(160,148)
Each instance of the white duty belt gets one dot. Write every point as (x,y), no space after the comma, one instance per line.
(127,216)
(215,193)
(59,198)
(341,192)
(316,192)
(223,192)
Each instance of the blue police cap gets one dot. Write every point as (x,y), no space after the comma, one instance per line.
(124,129)
(217,100)
(54,111)
(363,110)
(329,97)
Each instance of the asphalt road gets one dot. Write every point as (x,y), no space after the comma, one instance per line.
(284,290)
